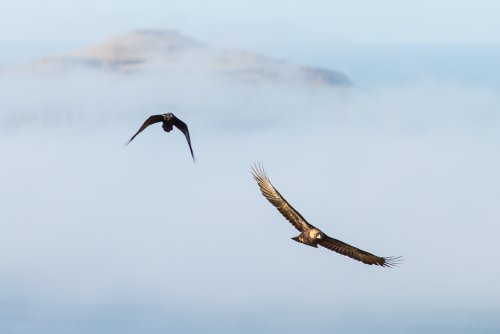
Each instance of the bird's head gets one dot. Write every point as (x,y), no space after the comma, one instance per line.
(315,234)
(168,116)
(319,235)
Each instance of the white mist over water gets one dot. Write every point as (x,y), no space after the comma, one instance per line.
(102,237)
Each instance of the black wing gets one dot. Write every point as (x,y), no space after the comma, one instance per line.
(151,120)
(184,128)
(358,254)
(273,196)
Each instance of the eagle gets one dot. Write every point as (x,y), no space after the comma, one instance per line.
(311,235)
(169,121)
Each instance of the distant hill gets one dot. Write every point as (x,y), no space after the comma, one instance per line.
(171,52)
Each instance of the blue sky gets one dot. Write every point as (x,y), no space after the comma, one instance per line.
(258,22)
(101,238)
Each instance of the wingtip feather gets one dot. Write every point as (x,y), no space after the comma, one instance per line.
(392,261)
(258,172)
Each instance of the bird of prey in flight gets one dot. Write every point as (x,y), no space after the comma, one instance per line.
(169,121)
(311,235)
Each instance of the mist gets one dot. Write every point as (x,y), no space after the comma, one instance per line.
(107,238)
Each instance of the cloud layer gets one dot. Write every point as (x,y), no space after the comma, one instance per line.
(101,237)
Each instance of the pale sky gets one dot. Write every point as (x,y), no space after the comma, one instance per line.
(245,22)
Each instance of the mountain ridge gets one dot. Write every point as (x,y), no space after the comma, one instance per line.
(165,50)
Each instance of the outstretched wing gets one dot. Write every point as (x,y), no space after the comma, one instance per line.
(151,120)
(184,128)
(357,254)
(277,200)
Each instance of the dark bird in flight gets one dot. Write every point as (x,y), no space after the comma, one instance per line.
(169,120)
(311,235)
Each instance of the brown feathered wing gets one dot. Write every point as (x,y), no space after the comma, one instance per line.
(275,198)
(356,253)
